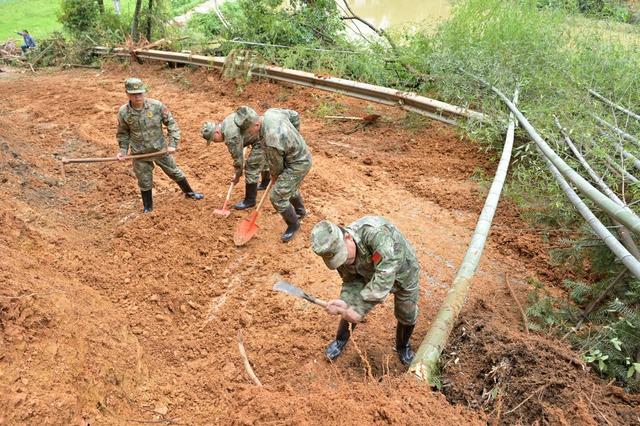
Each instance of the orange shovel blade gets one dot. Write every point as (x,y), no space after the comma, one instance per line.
(246,230)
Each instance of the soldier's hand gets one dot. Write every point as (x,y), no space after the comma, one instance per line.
(120,156)
(336,306)
(171,149)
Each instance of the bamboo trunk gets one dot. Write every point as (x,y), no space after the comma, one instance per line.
(632,264)
(618,131)
(616,106)
(621,170)
(625,235)
(425,362)
(630,220)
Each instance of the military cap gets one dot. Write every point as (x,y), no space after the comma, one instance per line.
(208,128)
(327,241)
(134,85)
(245,117)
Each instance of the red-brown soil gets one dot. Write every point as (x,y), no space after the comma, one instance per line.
(109,316)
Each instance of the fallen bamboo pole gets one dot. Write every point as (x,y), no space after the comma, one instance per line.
(632,264)
(625,236)
(425,362)
(617,130)
(616,106)
(631,221)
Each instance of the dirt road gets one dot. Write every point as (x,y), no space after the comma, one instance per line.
(109,316)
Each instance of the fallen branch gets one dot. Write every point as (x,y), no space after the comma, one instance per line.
(617,130)
(525,320)
(245,360)
(597,409)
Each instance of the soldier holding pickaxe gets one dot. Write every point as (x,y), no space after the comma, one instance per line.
(373,259)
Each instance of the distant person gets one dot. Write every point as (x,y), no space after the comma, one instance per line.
(29,42)
(140,131)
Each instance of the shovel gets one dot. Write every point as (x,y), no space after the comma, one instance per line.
(287,287)
(224,211)
(248,227)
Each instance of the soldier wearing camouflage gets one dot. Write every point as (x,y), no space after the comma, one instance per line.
(382,261)
(140,131)
(288,157)
(256,163)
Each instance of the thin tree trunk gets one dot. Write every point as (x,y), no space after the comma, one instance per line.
(101,6)
(425,362)
(136,20)
(149,19)
(116,6)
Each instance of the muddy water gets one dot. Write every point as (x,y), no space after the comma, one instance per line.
(391,14)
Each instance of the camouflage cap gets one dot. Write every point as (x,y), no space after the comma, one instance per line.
(327,241)
(245,117)
(208,128)
(134,85)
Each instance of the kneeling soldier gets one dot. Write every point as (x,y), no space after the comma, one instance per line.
(140,130)
(255,165)
(373,259)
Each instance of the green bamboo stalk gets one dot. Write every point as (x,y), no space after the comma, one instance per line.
(616,106)
(618,131)
(625,235)
(632,222)
(601,231)
(425,362)
(621,170)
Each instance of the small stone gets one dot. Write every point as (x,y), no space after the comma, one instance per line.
(127,280)
(154,297)
(161,409)
(368,161)
(183,308)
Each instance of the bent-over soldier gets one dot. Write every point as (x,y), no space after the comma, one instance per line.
(140,132)
(288,157)
(373,259)
(255,164)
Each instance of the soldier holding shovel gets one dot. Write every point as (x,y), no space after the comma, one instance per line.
(373,259)
(256,164)
(288,157)
(140,124)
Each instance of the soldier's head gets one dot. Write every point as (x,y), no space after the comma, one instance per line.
(333,244)
(135,91)
(212,132)
(248,121)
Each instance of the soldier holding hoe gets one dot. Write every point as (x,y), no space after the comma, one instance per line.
(256,164)
(288,157)
(373,259)
(140,131)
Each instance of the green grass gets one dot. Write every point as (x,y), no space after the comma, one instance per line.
(39,17)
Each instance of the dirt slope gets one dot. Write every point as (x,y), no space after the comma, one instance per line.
(108,316)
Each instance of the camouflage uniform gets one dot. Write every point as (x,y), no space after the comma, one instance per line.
(140,131)
(385,263)
(287,154)
(256,162)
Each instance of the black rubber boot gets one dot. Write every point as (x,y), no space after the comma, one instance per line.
(188,192)
(297,204)
(403,334)
(147,201)
(266,178)
(335,348)
(289,216)
(250,192)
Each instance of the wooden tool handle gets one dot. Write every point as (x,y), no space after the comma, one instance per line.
(109,159)
(264,196)
(229,193)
